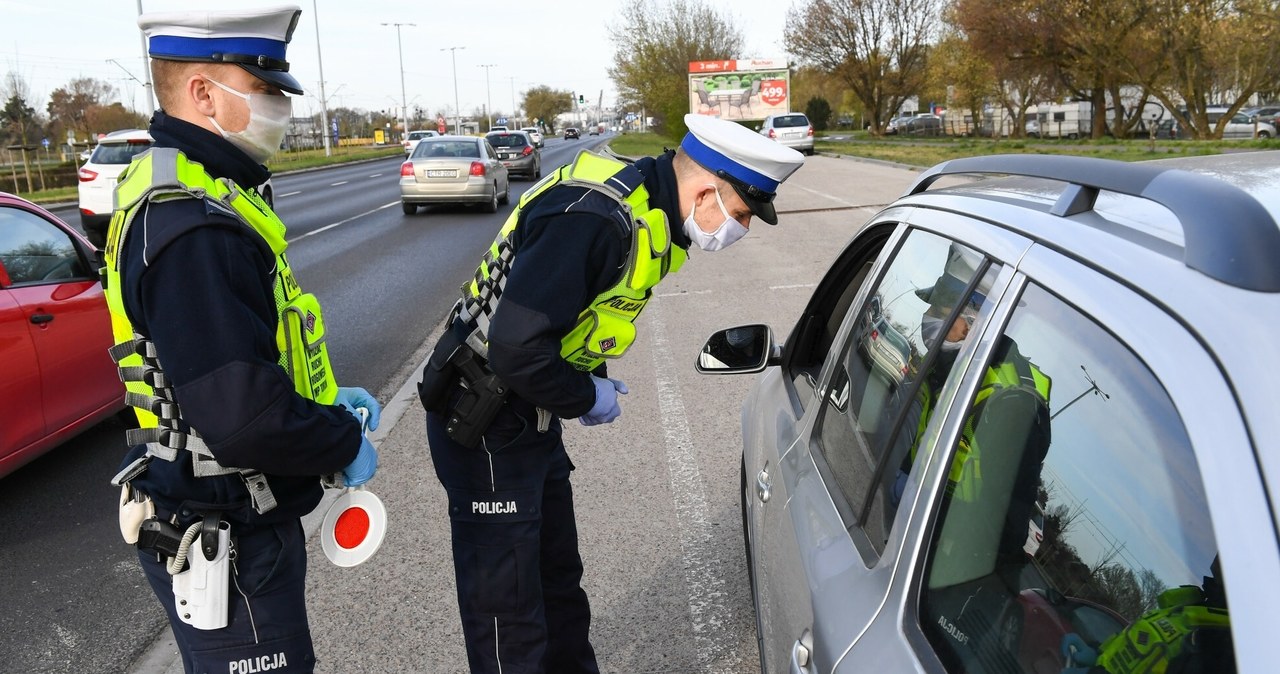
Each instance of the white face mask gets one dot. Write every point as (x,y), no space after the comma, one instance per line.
(268,122)
(729,231)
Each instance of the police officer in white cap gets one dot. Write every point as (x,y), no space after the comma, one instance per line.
(222,353)
(554,299)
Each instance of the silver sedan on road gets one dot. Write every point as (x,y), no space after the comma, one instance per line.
(453,170)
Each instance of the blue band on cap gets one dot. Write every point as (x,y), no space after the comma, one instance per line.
(713,161)
(205,47)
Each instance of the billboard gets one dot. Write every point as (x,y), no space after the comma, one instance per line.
(740,89)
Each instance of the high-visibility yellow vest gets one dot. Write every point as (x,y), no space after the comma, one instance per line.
(1153,641)
(606,328)
(163,174)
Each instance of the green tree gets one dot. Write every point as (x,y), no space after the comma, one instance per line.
(878,48)
(655,44)
(545,104)
(73,106)
(818,110)
(18,122)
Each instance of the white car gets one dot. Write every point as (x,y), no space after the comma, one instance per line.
(99,174)
(411,141)
(534,134)
(98,179)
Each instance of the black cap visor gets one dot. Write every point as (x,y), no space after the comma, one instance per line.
(279,78)
(759,201)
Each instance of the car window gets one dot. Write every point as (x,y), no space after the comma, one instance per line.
(785,121)
(117,153)
(877,385)
(446,149)
(1068,418)
(507,140)
(34,250)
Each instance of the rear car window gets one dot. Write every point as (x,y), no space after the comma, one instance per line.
(790,120)
(117,153)
(507,140)
(447,148)
(419,135)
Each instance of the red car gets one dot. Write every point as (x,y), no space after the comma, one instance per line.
(54,335)
(1032,632)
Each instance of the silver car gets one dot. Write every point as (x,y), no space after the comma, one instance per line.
(792,129)
(453,170)
(1090,362)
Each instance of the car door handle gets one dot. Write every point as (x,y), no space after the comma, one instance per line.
(762,486)
(39,319)
(802,654)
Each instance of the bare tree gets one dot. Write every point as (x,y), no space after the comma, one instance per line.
(654,45)
(1206,52)
(877,47)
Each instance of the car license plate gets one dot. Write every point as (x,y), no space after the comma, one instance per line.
(442,173)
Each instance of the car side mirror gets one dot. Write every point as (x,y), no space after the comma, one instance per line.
(745,349)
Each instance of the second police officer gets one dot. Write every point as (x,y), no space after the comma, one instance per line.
(556,297)
(222,353)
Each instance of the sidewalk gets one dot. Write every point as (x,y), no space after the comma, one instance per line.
(656,492)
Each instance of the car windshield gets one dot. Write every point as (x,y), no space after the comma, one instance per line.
(790,120)
(447,148)
(117,153)
(419,135)
(506,140)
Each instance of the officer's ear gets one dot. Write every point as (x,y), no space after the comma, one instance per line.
(199,94)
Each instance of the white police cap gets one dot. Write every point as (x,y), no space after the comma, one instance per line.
(254,39)
(751,163)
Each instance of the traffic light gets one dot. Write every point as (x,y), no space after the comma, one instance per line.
(581,99)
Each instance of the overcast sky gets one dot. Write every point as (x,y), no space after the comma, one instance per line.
(50,42)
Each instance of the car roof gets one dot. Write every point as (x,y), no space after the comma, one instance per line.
(124,136)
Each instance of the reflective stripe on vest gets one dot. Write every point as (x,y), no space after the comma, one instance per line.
(162,174)
(1153,641)
(605,329)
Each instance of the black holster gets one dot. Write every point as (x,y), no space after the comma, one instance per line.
(454,364)
(483,396)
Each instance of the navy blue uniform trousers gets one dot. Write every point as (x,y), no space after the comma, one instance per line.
(267,630)
(515,546)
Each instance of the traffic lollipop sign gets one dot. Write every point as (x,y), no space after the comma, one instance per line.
(353,527)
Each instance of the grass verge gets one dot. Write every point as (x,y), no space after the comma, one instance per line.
(927,152)
(288,161)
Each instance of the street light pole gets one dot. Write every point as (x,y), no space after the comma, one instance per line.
(324,102)
(457,126)
(487,97)
(146,70)
(404,99)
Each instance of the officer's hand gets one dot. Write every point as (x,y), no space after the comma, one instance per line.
(352,397)
(606,408)
(363,468)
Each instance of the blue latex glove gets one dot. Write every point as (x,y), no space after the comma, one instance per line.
(363,468)
(352,397)
(606,408)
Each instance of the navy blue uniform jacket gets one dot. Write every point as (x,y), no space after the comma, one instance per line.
(199,284)
(565,255)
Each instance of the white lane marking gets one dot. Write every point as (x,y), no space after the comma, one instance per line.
(794,285)
(342,222)
(288,194)
(684,292)
(828,195)
(340,182)
(703,569)
(375,175)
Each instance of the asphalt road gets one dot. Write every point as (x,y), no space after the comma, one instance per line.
(656,493)
(75,600)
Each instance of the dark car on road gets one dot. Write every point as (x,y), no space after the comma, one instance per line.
(1114,376)
(517,151)
(572,132)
